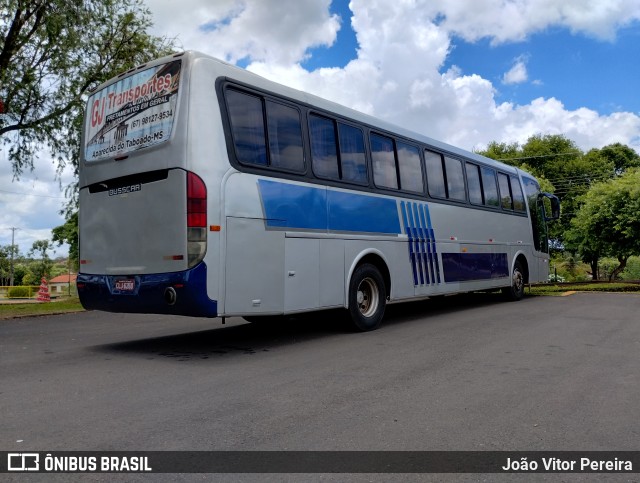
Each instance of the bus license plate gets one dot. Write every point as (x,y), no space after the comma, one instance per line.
(125,285)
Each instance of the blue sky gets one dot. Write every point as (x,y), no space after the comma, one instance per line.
(345,46)
(579,70)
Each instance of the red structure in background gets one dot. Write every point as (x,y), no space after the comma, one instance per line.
(43,294)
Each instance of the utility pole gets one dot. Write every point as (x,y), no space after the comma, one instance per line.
(13,233)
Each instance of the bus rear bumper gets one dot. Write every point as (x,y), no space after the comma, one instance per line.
(175,293)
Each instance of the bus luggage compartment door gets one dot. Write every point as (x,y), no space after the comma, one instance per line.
(254,282)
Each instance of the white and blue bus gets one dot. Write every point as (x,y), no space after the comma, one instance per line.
(206,190)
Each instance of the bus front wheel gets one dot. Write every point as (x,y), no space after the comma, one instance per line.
(516,290)
(367,297)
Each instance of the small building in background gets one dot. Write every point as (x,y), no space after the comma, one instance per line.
(62,284)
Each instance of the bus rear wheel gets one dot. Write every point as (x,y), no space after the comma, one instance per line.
(367,298)
(516,291)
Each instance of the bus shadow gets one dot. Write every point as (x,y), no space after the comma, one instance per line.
(233,340)
(260,337)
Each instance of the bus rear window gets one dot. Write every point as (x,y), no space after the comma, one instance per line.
(134,113)
(247,125)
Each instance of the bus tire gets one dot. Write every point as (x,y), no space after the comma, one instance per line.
(515,291)
(367,298)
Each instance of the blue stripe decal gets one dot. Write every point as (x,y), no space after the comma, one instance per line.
(419,241)
(422,243)
(412,258)
(362,213)
(464,267)
(432,242)
(305,207)
(293,206)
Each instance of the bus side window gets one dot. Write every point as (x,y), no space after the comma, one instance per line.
(490,187)
(410,168)
(352,157)
(247,126)
(384,162)
(475,186)
(324,154)
(435,174)
(285,137)
(455,179)
(505,192)
(518,196)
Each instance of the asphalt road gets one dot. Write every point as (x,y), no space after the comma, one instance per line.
(459,373)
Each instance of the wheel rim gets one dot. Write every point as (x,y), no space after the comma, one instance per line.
(518,280)
(368,296)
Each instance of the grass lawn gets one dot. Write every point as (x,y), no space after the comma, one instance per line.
(10,310)
(560,289)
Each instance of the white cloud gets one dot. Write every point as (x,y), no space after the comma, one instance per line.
(584,126)
(518,72)
(514,20)
(397,76)
(32,203)
(282,30)
(276,31)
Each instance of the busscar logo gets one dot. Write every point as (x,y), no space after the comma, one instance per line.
(125,189)
(23,462)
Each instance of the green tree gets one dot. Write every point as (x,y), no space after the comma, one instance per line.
(632,270)
(30,278)
(4,265)
(52,53)
(40,249)
(622,157)
(507,152)
(19,271)
(607,222)
(556,160)
(549,154)
(68,233)
(597,165)
(7,254)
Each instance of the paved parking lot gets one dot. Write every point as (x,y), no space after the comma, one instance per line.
(460,373)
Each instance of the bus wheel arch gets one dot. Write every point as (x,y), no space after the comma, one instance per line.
(525,266)
(368,289)
(519,279)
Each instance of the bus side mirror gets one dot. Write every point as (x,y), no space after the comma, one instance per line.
(553,202)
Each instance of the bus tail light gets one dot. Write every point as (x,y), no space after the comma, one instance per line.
(196,219)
